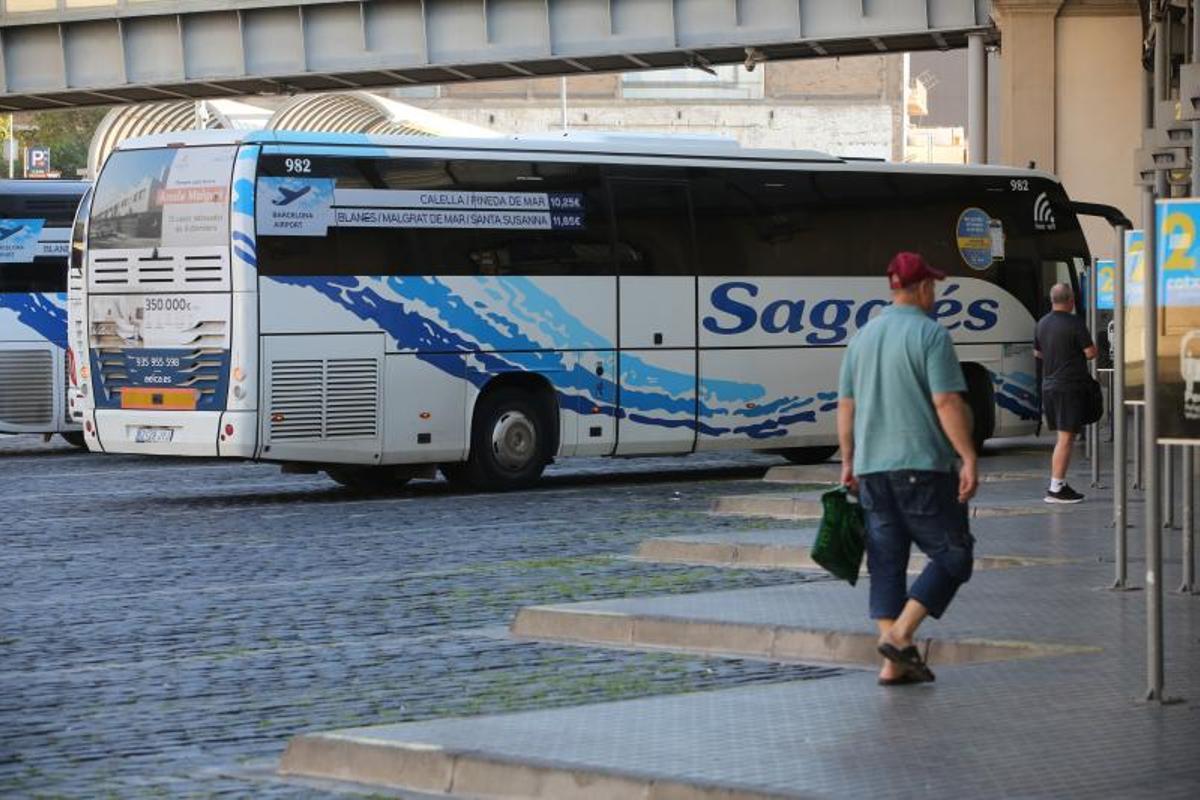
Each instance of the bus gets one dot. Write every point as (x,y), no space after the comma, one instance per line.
(379,308)
(35,230)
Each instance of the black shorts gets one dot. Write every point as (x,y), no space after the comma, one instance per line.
(1065,409)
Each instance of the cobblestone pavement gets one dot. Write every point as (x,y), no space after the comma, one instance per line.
(163,621)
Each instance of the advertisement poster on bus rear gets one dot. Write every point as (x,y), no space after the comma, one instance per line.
(195,197)
(1135,341)
(1178,271)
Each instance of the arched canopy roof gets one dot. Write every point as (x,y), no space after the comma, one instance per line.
(126,122)
(363,112)
(337,112)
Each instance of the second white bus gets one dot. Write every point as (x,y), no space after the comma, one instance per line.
(35,232)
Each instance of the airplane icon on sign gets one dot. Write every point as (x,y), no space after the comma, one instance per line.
(8,230)
(290,195)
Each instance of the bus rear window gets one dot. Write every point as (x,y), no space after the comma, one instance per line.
(170,197)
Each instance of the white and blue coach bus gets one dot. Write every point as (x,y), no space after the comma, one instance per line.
(378,307)
(35,233)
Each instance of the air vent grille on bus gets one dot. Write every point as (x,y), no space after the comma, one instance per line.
(118,333)
(297,398)
(318,399)
(151,270)
(351,392)
(27,387)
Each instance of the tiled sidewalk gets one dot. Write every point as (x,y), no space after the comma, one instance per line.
(1053,726)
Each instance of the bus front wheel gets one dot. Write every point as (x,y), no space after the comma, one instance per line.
(368,480)
(509,438)
(809,455)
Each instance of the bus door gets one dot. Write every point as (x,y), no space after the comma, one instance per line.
(656,289)
(1063,271)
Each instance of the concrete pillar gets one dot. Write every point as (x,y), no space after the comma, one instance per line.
(977,100)
(1027,85)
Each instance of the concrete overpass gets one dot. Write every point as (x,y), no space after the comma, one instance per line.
(66,53)
(1067,68)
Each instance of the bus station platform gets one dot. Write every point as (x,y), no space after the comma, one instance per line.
(1041,670)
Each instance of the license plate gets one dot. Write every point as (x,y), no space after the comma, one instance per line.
(154,435)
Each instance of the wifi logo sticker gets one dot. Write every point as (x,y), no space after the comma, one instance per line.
(1043,215)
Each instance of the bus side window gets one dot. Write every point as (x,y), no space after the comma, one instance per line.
(561,227)
(653,227)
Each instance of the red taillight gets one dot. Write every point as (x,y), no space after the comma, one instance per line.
(88,425)
(228,429)
(71,367)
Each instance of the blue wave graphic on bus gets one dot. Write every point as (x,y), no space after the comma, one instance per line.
(44,313)
(461,339)
(1017,392)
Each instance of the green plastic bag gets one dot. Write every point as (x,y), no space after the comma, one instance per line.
(840,539)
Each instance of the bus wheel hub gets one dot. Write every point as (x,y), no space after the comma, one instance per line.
(514,440)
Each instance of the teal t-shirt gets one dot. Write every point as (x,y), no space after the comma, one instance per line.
(892,369)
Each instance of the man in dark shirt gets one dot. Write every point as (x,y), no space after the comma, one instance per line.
(1064,345)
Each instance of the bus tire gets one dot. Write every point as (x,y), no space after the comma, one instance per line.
(981,399)
(75,439)
(809,455)
(509,440)
(368,480)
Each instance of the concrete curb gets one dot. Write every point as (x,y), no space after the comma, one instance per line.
(792,507)
(768,642)
(432,769)
(775,556)
(832,473)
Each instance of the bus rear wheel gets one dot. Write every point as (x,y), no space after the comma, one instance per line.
(809,455)
(74,438)
(509,440)
(368,480)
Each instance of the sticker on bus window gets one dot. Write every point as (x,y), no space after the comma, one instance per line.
(19,239)
(195,197)
(450,208)
(294,206)
(976,237)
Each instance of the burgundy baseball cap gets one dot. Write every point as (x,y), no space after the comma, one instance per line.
(905,269)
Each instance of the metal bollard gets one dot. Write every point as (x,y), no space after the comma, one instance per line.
(1120,478)
(1112,405)
(1188,586)
(1137,447)
(1168,485)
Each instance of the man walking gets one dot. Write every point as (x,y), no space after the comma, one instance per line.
(901,420)
(1064,345)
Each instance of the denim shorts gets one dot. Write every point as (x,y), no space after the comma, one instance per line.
(908,507)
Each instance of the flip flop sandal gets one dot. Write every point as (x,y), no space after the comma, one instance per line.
(909,660)
(904,679)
